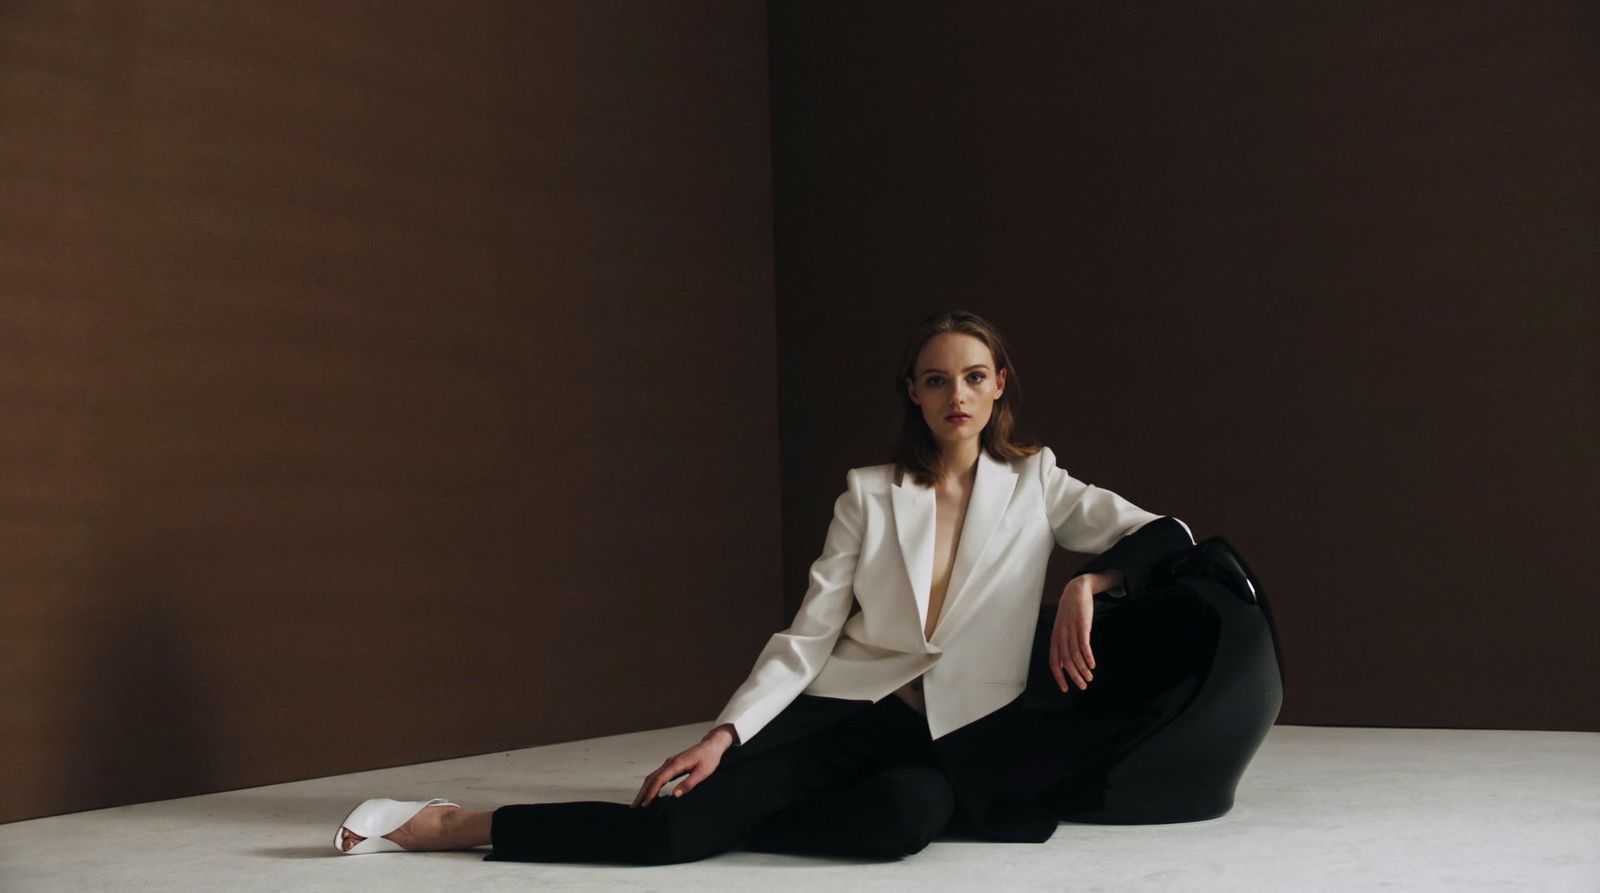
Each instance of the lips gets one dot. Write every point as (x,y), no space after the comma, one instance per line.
(957,417)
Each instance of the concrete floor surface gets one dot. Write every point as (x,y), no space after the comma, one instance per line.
(1321,808)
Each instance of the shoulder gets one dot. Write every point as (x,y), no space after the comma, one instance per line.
(871,478)
(1043,456)
(1038,463)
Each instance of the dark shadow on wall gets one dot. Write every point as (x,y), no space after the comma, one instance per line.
(140,731)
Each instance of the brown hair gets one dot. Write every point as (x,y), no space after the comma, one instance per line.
(915,451)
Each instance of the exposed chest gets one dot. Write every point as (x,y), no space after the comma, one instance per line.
(950,513)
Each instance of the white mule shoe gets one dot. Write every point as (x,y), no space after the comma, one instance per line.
(375,818)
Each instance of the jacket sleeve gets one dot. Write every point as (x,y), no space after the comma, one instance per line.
(794,656)
(1095,521)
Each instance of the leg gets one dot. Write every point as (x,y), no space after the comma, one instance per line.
(892,813)
(713,818)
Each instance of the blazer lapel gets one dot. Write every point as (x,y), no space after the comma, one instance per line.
(914,506)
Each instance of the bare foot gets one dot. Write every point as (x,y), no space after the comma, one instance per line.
(424,831)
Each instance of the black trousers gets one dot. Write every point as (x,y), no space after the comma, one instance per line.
(825,777)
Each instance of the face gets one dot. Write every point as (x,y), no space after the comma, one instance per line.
(955,373)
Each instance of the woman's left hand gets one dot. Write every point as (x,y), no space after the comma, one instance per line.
(1069,640)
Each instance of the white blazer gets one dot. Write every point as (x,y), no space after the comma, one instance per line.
(879,552)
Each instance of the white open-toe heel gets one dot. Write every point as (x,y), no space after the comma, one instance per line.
(375,818)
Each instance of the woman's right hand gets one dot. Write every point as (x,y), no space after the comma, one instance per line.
(699,761)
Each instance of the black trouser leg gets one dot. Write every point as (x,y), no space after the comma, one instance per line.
(725,809)
(894,812)
(708,820)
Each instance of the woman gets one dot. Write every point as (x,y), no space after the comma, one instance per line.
(945,550)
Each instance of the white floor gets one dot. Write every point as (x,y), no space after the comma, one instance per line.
(1335,809)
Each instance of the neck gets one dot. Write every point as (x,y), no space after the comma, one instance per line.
(959,462)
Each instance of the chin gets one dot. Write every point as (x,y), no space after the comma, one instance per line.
(958,437)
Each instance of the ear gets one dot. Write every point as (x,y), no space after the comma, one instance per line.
(1000,383)
(911,391)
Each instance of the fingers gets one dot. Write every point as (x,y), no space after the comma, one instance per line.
(669,770)
(1075,669)
(1063,661)
(1079,654)
(1088,653)
(655,781)
(643,794)
(1070,655)
(1077,664)
(1081,665)
(694,779)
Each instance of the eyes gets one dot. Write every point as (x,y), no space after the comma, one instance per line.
(933,381)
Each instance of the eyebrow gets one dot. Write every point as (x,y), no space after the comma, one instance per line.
(968,369)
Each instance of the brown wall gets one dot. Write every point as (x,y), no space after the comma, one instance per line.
(356,372)
(1320,278)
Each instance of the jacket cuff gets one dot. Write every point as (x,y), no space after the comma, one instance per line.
(1139,552)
